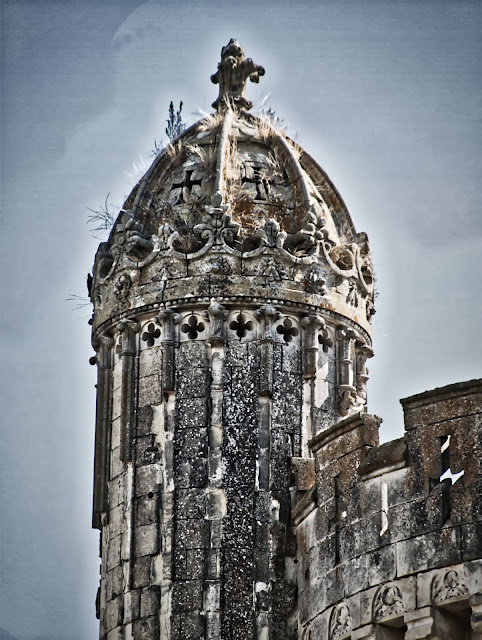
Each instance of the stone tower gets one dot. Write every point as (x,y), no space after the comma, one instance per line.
(232,307)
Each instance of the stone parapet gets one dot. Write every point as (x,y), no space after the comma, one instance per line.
(394,531)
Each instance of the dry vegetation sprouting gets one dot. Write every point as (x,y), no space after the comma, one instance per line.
(207,157)
(212,122)
(176,153)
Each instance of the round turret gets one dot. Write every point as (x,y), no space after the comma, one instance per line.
(232,306)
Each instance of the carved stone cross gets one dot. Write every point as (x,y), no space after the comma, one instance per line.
(232,74)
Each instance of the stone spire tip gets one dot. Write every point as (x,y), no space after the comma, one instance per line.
(232,74)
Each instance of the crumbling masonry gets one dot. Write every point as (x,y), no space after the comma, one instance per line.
(240,489)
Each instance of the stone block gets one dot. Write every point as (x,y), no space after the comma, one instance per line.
(192,534)
(146,628)
(355,574)
(145,450)
(116,634)
(236,353)
(193,626)
(141,572)
(419,624)
(144,420)
(415,518)
(113,614)
(150,600)
(147,509)
(116,521)
(195,561)
(191,443)
(334,585)
(187,596)
(360,536)
(149,390)
(113,553)
(428,551)
(146,540)
(116,491)
(146,480)
(321,557)
(192,383)
(150,360)
(471,541)
(363,435)
(115,433)
(382,565)
(191,413)
(131,605)
(191,355)
(115,583)
(116,465)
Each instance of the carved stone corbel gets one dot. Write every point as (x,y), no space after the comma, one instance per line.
(346,388)
(266,316)
(217,314)
(363,352)
(168,319)
(128,329)
(312,325)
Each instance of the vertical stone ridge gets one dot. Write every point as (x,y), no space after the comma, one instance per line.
(215,494)
(102,423)
(128,329)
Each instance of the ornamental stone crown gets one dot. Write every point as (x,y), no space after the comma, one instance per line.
(234,208)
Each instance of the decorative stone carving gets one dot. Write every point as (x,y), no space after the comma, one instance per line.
(164,234)
(217,226)
(221,266)
(340,622)
(217,315)
(270,235)
(314,280)
(363,352)
(232,74)
(447,586)
(272,271)
(346,402)
(347,391)
(387,603)
(122,286)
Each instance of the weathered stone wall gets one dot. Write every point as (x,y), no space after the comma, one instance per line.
(205,414)
(388,546)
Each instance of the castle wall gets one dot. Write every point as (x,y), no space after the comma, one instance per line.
(388,546)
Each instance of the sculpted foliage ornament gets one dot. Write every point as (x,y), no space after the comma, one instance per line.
(448,586)
(387,602)
(340,623)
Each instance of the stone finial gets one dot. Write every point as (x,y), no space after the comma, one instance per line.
(233,71)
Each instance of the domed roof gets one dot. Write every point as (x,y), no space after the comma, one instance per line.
(235,183)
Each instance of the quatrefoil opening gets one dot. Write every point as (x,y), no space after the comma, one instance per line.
(287,330)
(151,334)
(193,327)
(241,325)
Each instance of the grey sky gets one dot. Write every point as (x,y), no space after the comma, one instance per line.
(387,97)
